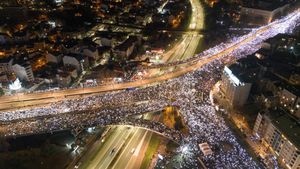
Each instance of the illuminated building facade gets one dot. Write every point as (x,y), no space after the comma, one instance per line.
(234,88)
(280,133)
(290,100)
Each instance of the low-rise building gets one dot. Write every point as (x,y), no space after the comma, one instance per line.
(54,57)
(79,61)
(72,71)
(3,77)
(280,42)
(6,64)
(103,39)
(20,36)
(5,38)
(23,71)
(91,52)
(70,46)
(280,133)
(125,49)
(63,79)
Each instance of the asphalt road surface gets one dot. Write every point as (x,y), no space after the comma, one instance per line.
(123,148)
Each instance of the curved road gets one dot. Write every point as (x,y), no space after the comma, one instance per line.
(20,100)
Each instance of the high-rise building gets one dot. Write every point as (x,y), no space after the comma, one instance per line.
(236,90)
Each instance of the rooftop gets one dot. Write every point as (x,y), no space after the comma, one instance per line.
(288,125)
(285,58)
(127,43)
(79,57)
(246,69)
(70,43)
(5,59)
(268,5)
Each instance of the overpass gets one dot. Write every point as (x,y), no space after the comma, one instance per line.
(36,99)
(30,126)
(154,126)
(192,64)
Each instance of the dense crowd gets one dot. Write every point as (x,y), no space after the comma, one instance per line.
(284,25)
(205,125)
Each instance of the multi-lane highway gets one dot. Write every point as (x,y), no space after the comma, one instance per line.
(134,152)
(123,148)
(132,155)
(181,50)
(111,148)
(204,124)
(187,47)
(20,100)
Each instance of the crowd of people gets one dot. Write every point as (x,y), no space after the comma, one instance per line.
(205,125)
(158,127)
(78,118)
(284,25)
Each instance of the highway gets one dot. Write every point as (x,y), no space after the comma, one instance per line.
(187,47)
(183,94)
(111,147)
(21,100)
(182,50)
(123,148)
(132,155)
(197,111)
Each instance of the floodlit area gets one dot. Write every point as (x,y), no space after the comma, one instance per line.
(208,141)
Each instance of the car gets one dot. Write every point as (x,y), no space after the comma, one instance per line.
(132,151)
(77,165)
(130,88)
(112,151)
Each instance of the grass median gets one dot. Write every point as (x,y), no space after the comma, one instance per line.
(152,148)
(94,152)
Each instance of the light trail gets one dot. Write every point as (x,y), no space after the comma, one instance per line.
(283,25)
(245,44)
(181,89)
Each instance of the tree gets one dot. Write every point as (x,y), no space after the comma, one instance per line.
(4,145)
(178,123)
(1,92)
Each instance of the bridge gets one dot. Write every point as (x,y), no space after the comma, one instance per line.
(154,126)
(48,124)
(213,54)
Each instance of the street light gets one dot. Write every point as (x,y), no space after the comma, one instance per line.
(184,149)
